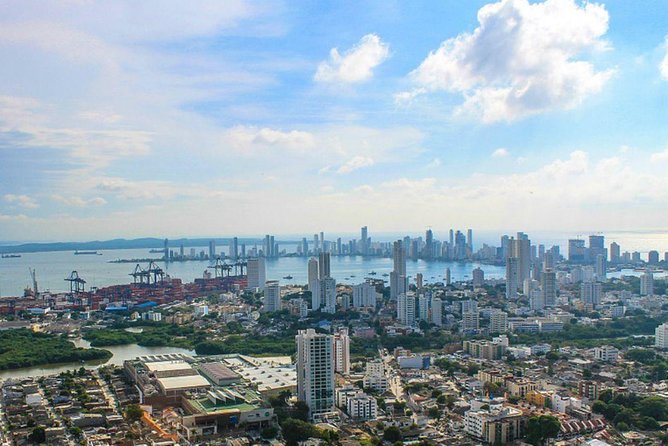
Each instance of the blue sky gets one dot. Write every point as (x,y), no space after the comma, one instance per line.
(243,118)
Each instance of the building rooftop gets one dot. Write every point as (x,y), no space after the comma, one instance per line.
(217,371)
(164,366)
(183,382)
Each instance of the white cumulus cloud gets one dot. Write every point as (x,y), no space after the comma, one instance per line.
(354,65)
(521,60)
(663,67)
(79,201)
(500,153)
(23,201)
(355,163)
(659,156)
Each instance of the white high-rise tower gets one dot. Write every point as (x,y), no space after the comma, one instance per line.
(315,372)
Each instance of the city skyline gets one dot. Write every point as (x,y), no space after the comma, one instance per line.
(317,114)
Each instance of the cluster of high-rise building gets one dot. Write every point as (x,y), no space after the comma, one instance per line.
(321,285)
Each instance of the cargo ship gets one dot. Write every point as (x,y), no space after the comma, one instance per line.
(11,256)
(86,253)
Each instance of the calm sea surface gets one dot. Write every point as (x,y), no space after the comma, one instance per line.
(53,267)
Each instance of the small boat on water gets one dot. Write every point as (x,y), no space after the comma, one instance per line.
(11,256)
(385,274)
(288,277)
(86,253)
(372,273)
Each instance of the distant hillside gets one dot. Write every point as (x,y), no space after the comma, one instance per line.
(149,243)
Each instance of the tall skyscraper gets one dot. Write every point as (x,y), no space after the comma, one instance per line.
(429,245)
(576,250)
(423,308)
(364,235)
(304,247)
(315,372)
(478,277)
(257,272)
(267,246)
(448,277)
(398,280)
(469,239)
(548,287)
(316,244)
(600,268)
(596,247)
(324,265)
(461,251)
(212,249)
(406,308)
(272,296)
(342,351)
(313,283)
(614,253)
(520,248)
(234,248)
(418,280)
(327,291)
(437,312)
(512,277)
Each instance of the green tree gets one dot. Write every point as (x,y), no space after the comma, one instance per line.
(38,435)
(392,434)
(295,431)
(653,407)
(133,413)
(540,429)
(269,432)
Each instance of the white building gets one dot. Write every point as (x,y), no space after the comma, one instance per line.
(470,320)
(272,296)
(498,322)
(364,295)
(406,308)
(153,316)
(661,336)
(362,407)
(423,308)
(327,293)
(375,377)
(647,284)
(606,353)
(342,352)
(315,372)
(437,312)
(590,293)
(257,272)
(201,310)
